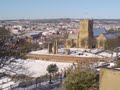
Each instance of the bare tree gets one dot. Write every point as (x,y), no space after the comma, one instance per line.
(10,48)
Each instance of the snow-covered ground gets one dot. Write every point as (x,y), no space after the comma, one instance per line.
(44,51)
(35,68)
(38,67)
(80,52)
(5,82)
(107,54)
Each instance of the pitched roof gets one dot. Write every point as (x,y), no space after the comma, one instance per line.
(98,31)
(111,35)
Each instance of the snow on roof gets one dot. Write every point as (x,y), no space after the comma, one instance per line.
(110,35)
(98,31)
(33,33)
(44,33)
(52,31)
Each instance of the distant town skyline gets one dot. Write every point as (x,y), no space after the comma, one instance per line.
(50,9)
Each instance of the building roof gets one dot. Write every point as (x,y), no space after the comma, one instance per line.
(33,33)
(111,35)
(98,31)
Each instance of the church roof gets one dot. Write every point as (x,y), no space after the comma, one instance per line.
(111,35)
(98,31)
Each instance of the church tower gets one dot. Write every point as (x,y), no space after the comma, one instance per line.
(86,33)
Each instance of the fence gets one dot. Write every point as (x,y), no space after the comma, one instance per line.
(37,84)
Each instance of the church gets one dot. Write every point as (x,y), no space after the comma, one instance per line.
(89,37)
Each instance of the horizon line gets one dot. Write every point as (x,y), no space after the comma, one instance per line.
(58,18)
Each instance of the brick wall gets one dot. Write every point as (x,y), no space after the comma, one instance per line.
(65,58)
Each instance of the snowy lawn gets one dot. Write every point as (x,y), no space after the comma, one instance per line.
(33,68)
(38,67)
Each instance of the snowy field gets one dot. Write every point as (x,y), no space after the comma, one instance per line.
(80,52)
(38,67)
(34,68)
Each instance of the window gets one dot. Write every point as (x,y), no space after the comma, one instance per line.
(101,43)
(83,43)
